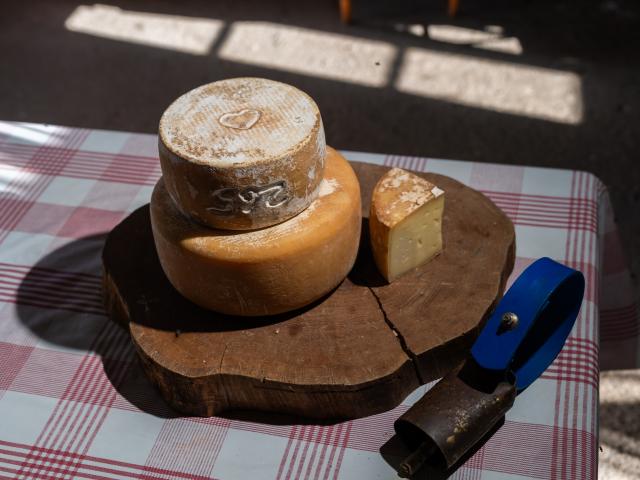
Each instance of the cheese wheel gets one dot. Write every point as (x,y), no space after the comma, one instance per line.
(267,271)
(243,153)
(405,222)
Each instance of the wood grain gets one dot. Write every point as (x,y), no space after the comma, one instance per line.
(356,352)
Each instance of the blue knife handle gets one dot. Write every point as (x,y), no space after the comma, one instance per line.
(529,326)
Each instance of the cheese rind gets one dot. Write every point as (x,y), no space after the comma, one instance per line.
(267,271)
(405,222)
(242,153)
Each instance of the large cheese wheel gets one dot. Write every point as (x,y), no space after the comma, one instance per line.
(267,271)
(243,153)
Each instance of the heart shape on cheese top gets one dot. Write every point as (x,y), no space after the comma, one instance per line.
(241,120)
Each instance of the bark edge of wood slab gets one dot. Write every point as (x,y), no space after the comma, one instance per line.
(356,352)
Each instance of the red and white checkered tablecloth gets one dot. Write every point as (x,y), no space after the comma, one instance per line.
(75,404)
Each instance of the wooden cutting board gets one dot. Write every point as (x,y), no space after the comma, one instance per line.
(356,352)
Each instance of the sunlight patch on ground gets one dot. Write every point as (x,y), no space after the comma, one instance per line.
(171,32)
(310,52)
(619,425)
(489,39)
(506,87)
(463,79)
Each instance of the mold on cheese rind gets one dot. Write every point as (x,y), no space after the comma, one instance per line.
(191,125)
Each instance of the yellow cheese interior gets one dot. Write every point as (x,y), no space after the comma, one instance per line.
(416,239)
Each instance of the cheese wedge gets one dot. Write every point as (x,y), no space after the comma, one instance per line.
(405,222)
(242,153)
(266,271)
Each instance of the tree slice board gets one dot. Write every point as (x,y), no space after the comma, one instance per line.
(358,351)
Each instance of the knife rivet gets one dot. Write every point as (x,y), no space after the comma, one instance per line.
(509,320)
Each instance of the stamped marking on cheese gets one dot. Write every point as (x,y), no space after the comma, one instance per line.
(242,120)
(246,200)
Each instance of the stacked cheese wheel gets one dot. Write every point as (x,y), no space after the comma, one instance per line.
(254,214)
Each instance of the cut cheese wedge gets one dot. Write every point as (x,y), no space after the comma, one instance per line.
(266,271)
(405,222)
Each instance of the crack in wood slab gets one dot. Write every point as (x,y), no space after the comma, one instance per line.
(412,356)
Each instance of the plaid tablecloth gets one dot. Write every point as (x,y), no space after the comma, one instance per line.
(75,404)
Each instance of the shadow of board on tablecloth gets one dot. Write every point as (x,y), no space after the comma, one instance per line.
(60,301)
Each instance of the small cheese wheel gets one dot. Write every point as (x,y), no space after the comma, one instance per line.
(242,153)
(267,271)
